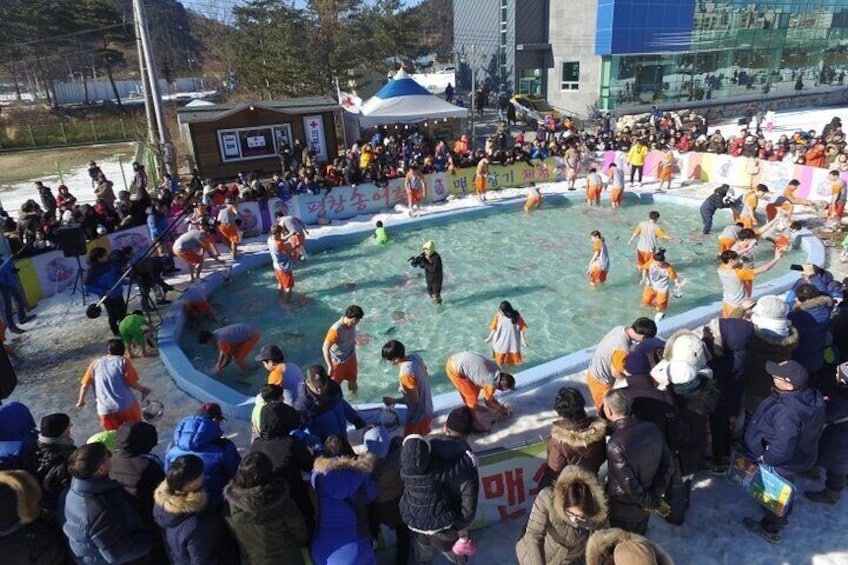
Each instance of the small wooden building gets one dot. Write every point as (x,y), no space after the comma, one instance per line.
(228,138)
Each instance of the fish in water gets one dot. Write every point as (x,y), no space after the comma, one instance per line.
(363,339)
(398,315)
(389,331)
(348,287)
(292,335)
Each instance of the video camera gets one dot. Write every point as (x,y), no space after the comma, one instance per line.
(419,261)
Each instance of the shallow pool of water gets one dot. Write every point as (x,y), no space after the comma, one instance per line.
(537,262)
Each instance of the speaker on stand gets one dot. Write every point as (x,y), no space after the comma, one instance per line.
(71,241)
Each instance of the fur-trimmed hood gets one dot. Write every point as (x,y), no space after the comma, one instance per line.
(28,494)
(603,542)
(771,340)
(172,503)
(363,463)
(574,474)
(581,434)
(817,302)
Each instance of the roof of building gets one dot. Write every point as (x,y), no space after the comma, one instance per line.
(304,105)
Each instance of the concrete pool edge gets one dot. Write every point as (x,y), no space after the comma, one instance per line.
(238,405)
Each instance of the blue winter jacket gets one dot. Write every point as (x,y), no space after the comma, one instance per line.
(327,414)
(202,437)
(344,486)
(7,273)
(18,438)
(156,224)
(812,320)
(100,524)
(786,428)
(102,276)
(194,533)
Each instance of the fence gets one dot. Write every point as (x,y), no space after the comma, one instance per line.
(74,92)
(70,132)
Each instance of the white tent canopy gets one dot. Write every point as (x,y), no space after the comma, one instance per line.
(402,100)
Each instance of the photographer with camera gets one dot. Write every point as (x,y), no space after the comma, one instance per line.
(431,262)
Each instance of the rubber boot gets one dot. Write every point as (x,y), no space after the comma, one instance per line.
(825,496)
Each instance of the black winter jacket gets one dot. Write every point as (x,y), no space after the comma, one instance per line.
(52,473)
(424,504)
(833,446)
(649,404)
(457,470)
(640,465)
(697,407)
(136,469)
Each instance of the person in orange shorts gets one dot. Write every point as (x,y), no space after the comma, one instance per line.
(507,335)
(471,374)
(416,188)
(658,278)
(750,199)
(281,261)
(593,187)
(838,196)
(228,226)
(196,302)
(534,198)
(615,183)
(599,264)
(785,203)
(339,349)
(649,232)
(737,281)
(113,378)
(481,178)
(414,386)
(233,343)
(728,237)
(607,364)
(665,168)
(191,248)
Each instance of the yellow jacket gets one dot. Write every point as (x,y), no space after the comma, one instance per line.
(636,155)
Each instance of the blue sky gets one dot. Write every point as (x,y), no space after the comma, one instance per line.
(220,9)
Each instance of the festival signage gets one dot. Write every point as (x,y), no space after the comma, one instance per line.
(313,126)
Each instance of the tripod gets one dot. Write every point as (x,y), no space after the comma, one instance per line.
(79,280)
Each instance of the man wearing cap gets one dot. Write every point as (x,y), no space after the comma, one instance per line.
(414,385)
(114,378)
(281,372)
(339,348)
(472,373)
(323,407)
(432,266)
(784,433)
(233,342)
(607,363)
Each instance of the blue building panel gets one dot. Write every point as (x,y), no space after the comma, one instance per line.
(644,26)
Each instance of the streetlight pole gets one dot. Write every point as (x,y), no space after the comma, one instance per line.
(473,62)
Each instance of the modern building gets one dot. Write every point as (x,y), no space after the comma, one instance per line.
(505,40)
(620,54)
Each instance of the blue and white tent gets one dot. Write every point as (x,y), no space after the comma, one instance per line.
(402,100)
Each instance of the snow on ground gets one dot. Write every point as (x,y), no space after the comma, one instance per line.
(62,341)
(787,123)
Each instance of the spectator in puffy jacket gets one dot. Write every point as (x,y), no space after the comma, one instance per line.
(775,340)
(833,445)
(194,532)
(811,317)
(265,520)
(386,506)
(100,524)
(344,486)
(25,537)
(18,438)
(576,439)
(202,436)
(323,407)
(55,446)
(289,457)
(562,518)
(640,466)
(784,432)
(135,468)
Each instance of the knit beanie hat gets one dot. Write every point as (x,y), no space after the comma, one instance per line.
(54,425)
(684,358)
(634,551)
(769,314)
(377,441)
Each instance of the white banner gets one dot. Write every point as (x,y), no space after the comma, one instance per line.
(314,128)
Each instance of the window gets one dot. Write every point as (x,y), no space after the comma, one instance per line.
(570,76)
(260,142)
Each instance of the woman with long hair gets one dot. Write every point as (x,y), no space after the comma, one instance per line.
(507,335)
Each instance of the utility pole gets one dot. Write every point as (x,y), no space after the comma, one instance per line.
(152,134)
(472,61)
(164,143)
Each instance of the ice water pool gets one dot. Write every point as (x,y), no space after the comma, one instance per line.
(537,262)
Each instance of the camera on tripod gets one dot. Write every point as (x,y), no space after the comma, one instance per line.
(419,261)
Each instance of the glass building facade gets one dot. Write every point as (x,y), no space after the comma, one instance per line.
(678,51)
